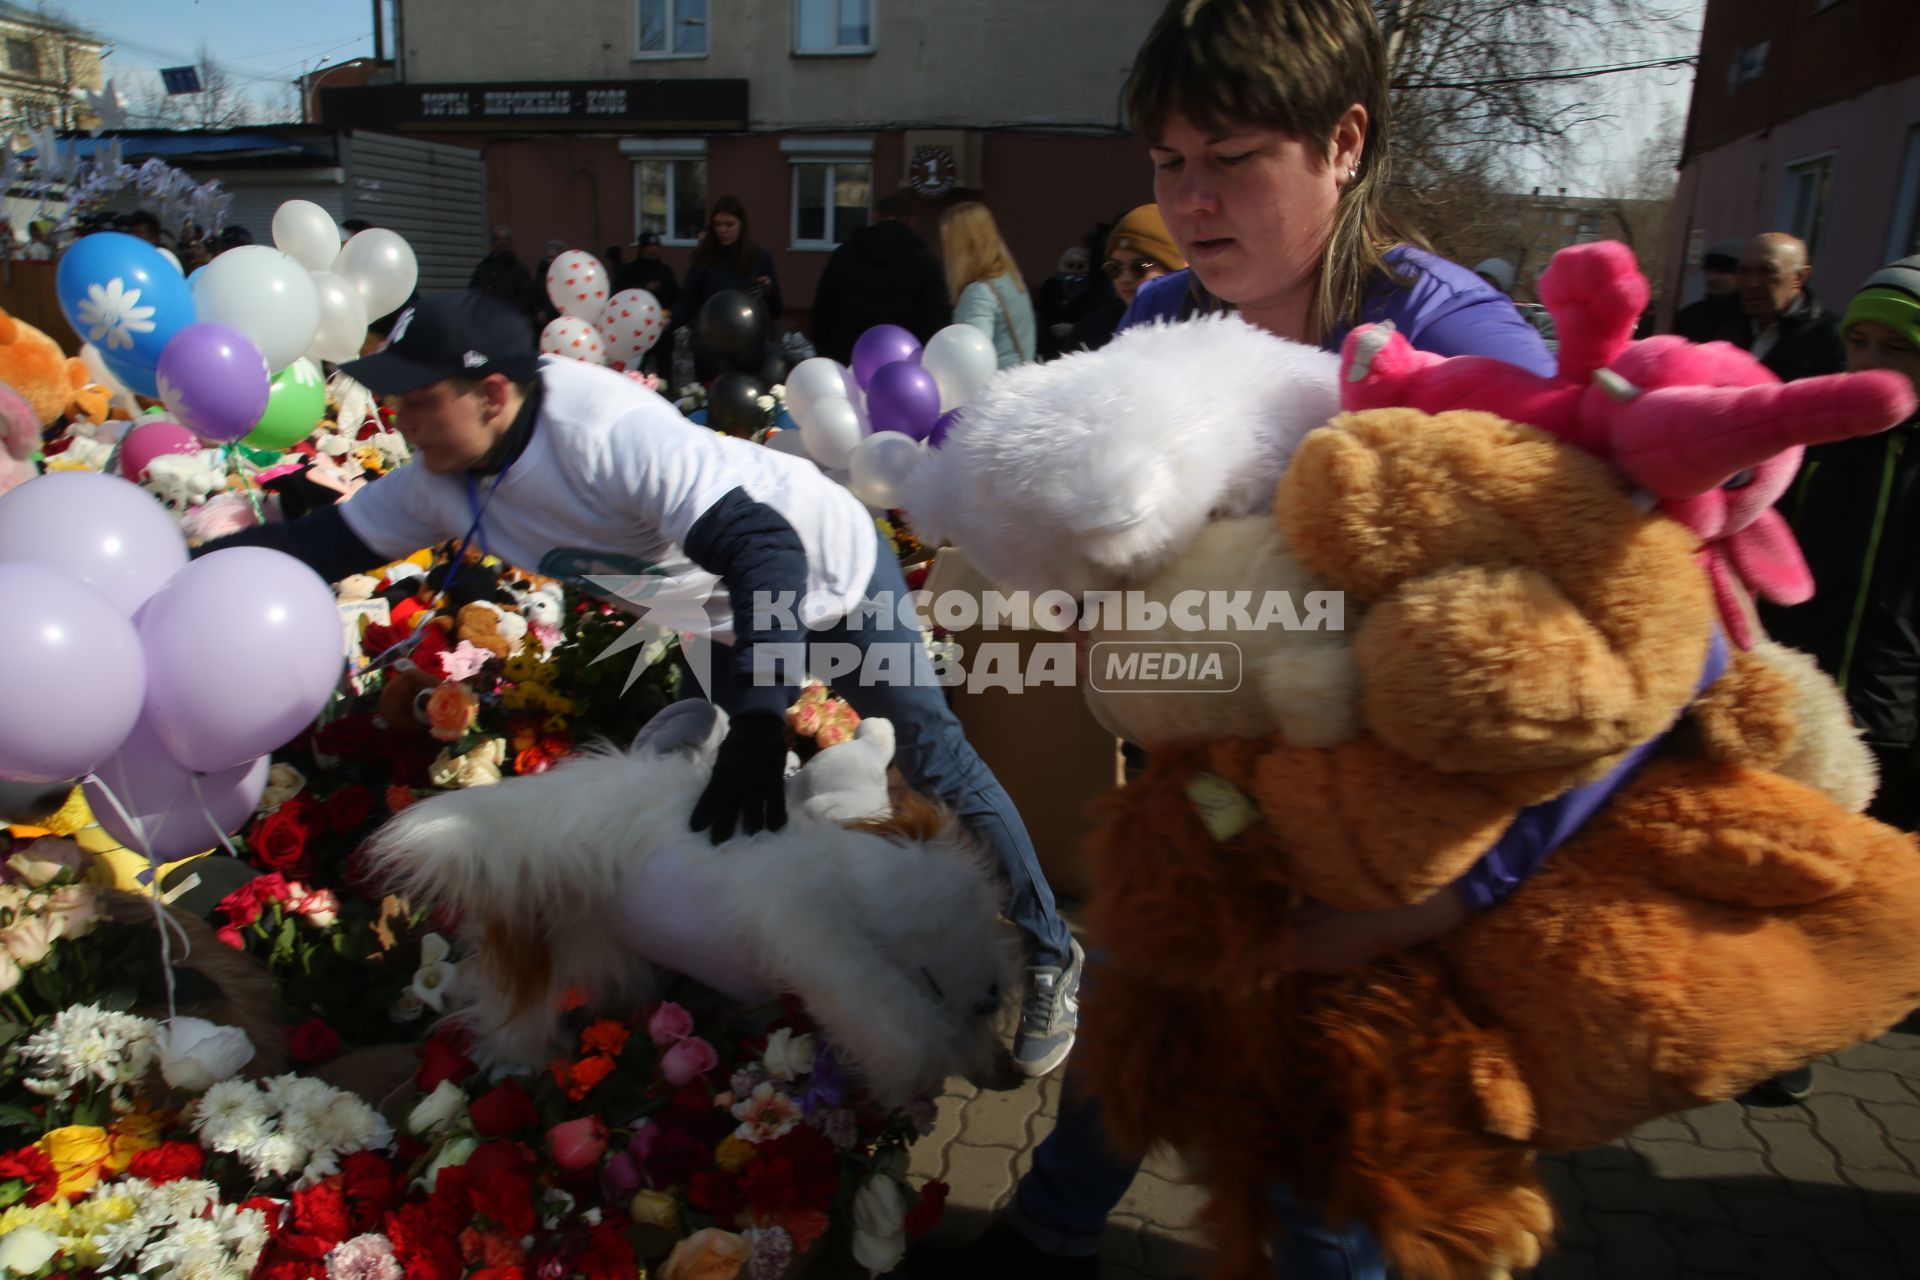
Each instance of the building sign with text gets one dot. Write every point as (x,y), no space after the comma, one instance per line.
(593,104)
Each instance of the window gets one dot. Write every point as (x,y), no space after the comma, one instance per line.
(23,56)
(1904,237)
(833,26)
(671,29)
(669,187)
(1803,201)
(832,188)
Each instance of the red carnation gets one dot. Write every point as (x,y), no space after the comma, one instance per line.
(768,1185)
(714,1193)
(282,1263)
(347,808)
(609,1255)
(501,1159)
(676,1157)
(168,1162)
(321,1210)
(312,1041)
(31,1166)
(507,1202)
(368,1181)
(925,1214)
(426,1251)
(451,1204)
(440,1060)
(814,1164)
(503,1109)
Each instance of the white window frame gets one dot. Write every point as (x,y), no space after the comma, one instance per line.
(839,50)
(667,54)
(1791,173)
(640,150)
(1906,203)
(827,153)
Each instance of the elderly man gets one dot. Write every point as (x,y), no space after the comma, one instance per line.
(502,274)
(1784,325)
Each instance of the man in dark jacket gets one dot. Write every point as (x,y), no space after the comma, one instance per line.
(650,272)
(1784,326)
(883,274)
(1856,511)
(1705,320)
(502,274)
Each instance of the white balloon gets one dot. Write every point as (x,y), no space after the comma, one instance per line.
(306,232)
(380,265)
(814,379)
(830,428)
(343,320)
(961,360)
(168,255)
(577,285)
(881,467)
(266,296)
(632,322)
(573,337)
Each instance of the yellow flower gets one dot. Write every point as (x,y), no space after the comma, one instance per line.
(130,1135)
(78,1153)
(733,1154)
(87,1220)
(51,1216)
(655,1209)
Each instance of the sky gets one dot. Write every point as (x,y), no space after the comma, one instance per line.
(268,43)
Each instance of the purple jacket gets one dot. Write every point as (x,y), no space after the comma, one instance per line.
(1450,311)
(1445,309)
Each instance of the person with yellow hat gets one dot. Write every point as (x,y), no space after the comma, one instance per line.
(1139,249)
(1856,512)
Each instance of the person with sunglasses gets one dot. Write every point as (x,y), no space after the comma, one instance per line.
(1139,249)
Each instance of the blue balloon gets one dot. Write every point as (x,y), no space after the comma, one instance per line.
(140,379)
(119,293)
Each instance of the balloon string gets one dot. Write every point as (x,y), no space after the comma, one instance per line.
(162,918)
(207,812)
(247,485)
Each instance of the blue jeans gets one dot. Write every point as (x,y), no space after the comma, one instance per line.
(933,752)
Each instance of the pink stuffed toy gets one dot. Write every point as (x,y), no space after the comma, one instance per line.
(19,438)
(1707,431)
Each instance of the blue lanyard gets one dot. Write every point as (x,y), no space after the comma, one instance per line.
(477,531)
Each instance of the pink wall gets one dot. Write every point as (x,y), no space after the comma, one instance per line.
(1735,190)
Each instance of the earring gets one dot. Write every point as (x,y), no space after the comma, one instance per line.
(1353,171)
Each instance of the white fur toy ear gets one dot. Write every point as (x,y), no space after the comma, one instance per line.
(847,782)
(692,727)
(1096,470)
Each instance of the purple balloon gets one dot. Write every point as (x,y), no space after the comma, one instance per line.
(904,398)
(938,436)
(882,345)
(214,381)
(161,796)
(104,531)
(244,648)
(74,675)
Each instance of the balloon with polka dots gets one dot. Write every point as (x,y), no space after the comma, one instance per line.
(574,338)
(577,285)
(633,322)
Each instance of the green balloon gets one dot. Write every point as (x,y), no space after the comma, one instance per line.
(294,408)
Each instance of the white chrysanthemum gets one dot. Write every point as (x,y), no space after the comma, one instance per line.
(180,1199)
(226,1104)
(351,1125)
(324,1164)
(291,1092)
(274,1156)
(120,1241)
(239,1134)
(112,314)
(191,1241)
(246,1233)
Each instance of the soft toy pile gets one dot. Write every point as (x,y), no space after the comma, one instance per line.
(1517,622)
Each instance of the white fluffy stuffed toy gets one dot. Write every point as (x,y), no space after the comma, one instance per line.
(1098,469)
(587,875)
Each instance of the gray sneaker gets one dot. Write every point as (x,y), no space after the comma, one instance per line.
(1049,1017)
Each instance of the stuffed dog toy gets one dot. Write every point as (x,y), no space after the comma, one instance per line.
(882,918)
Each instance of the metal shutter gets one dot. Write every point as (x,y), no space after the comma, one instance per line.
(258,194)
(432,193)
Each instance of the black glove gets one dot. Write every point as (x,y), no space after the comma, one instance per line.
(749,784)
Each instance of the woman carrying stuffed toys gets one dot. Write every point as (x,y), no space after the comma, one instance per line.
(1266,122)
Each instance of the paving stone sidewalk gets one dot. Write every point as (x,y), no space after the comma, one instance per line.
(1829,1190)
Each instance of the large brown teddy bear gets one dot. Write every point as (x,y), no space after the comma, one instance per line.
(1515,624)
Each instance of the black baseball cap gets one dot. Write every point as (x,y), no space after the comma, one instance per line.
(460,333)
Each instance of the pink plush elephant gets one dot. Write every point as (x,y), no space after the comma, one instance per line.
(1710,433)
(19,438)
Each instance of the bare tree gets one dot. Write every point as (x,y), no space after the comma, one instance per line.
(1477,81)
(1639,198)
(218,105)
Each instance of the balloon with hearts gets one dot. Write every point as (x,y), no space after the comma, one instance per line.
(632,323)
(578,286)
(573,337)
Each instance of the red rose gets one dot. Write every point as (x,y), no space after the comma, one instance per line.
(347,808)
(350,737)
(926,1211)
(502,1160)
(231,936)
(502,1110)
(321,1210)
(768,1185)
(609,1255)
(279,841)
(440,1060)
(506,1202)
(168,1162)
(31,1166)
(451,1203)
(240,908)
(312,1041)
(715,1193)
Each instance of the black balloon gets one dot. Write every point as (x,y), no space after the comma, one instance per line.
(732,326)
(733,404)
(773,369)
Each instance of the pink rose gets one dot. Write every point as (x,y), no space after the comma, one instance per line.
(688,1061)
(669,1024)
(577,1144)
